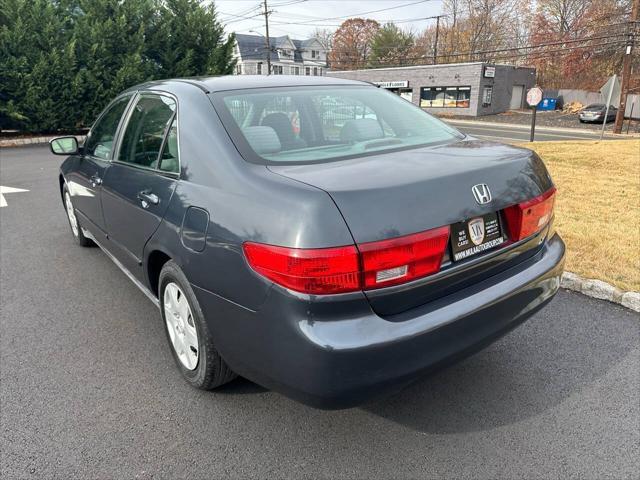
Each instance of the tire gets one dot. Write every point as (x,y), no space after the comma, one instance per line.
(74,223)
(208,370)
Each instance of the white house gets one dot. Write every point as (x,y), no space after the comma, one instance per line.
(288,57)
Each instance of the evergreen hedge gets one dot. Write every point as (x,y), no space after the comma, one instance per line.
(61,62)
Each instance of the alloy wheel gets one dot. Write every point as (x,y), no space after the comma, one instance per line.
(181,326)
(73,221)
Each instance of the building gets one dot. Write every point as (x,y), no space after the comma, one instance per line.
(472,89)
(288,57)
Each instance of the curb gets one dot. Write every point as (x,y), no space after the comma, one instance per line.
(19,142)
(538,128)
(601,290)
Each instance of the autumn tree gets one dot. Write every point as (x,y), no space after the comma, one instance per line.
(352,44)
(470,30)
(579,42)
(391,46)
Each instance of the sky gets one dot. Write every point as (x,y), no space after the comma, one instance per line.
(299,18)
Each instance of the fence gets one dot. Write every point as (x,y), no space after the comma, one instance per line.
(567,95)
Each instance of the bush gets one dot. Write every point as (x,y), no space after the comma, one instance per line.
(61,62)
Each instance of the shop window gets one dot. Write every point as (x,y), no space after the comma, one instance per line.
(445,97)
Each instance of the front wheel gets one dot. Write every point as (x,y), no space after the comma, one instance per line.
(76,229)
(188,334)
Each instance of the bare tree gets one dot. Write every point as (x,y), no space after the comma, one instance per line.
(325,36)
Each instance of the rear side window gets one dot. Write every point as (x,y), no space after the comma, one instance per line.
(100,141)
(169,159)
(150,121)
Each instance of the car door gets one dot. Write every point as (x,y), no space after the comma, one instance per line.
(142,177)
(85,180)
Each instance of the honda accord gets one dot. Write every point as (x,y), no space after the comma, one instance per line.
(321,237)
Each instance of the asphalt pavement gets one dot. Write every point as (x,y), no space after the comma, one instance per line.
(519,133)
(88,388)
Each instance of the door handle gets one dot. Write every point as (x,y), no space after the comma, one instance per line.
(147,198)
(95,180)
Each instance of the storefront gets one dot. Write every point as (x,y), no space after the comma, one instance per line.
(472,89)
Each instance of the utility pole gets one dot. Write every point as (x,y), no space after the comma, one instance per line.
(266,39)
(435,44)
(632,26)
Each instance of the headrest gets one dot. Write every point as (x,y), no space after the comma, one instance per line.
(360,130)
(281,124)
(262,139)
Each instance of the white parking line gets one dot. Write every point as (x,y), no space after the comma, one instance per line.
(3,190)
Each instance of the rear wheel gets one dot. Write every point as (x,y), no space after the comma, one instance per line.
(187,332)
(76,229)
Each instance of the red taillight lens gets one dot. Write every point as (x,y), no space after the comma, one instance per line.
(403,259)
(345,269)
(527,218)
(315,271)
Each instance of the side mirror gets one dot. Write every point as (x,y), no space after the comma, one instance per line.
(64,146)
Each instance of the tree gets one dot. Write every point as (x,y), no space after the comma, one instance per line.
(62,61)
(352,44)
(585,38)
(186,39)
(325,36)
(391,46)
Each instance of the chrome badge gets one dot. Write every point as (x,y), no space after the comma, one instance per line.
(481,193)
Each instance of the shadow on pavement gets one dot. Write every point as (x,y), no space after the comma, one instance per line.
(529,371)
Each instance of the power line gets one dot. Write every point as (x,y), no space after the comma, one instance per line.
(357,14)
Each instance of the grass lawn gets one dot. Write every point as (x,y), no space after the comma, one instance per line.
(598,206)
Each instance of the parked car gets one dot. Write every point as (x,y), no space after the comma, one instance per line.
(596,112)
(331,269)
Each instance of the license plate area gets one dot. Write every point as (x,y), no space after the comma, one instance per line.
(476,235)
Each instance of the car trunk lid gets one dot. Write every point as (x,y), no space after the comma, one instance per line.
(399,193)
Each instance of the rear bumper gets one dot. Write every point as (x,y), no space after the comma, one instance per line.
(304,348)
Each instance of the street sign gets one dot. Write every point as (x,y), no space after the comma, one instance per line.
(534,96)
(611,90)
(608,90)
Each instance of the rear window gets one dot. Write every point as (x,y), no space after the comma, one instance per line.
(321,124)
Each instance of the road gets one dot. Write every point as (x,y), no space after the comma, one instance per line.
(88,387)
(505,133)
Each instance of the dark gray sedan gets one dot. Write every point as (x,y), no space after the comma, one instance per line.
(596,112)
(321,237)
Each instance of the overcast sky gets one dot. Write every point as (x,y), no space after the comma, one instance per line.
(299,18)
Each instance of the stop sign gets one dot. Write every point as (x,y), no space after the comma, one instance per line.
(534,96)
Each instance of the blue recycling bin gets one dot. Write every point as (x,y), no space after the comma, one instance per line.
(547,104)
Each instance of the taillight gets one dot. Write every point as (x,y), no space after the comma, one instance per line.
(347,269)
(527,218)
(402,259)
(316,271)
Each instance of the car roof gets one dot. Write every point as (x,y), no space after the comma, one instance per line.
(239,82)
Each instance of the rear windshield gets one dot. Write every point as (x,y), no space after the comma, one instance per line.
(322,124)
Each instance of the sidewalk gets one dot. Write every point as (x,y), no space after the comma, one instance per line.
(20,141)
(538,128)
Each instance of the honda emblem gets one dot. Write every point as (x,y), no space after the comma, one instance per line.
(481,193)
